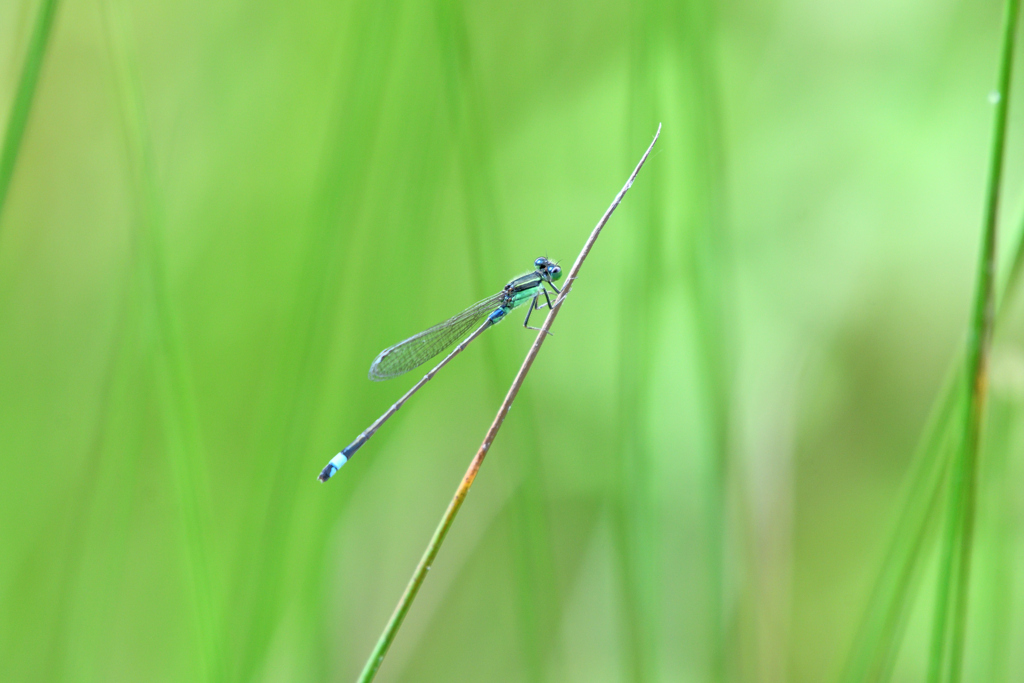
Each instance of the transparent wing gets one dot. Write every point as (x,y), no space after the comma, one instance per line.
(419,348)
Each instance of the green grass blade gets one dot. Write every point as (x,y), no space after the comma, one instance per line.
(880,632)
(22,105)
(366,69)
(177,403)
(632,494)
(707,252)
(949,630)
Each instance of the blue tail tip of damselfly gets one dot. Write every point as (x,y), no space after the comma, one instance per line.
(333,466)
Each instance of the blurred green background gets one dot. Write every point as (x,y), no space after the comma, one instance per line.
(220,212)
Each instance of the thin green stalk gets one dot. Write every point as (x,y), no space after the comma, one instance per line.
(86,496)
(632,490)
(22,104)
(371,46)
(1012,281)
(173,377)
(890,599)
(880,630)
(386,638)
(955,562)
(877,641)
(708,252)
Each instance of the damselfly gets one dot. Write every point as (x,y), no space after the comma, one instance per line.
(418,349)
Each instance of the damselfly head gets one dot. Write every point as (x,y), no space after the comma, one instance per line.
(548,269)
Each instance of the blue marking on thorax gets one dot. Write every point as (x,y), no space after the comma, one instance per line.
(524,295)
(515,297)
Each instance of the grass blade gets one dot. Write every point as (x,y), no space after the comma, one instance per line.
(950,630)
(634,510)
(177,398)
(881,629)
(22,104)
(880,632)
(368,63)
